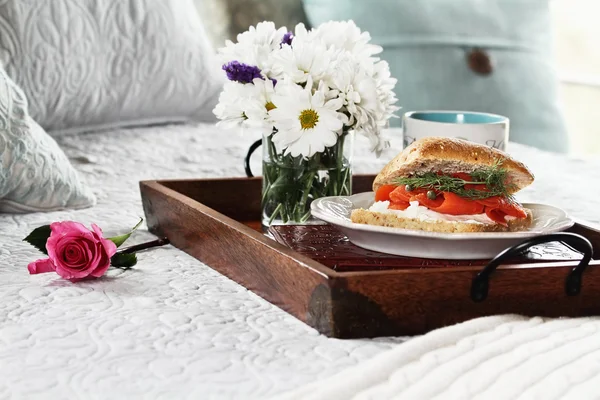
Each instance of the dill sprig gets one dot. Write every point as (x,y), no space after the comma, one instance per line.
(494,178)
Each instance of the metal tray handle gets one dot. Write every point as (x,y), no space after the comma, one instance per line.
(480,284)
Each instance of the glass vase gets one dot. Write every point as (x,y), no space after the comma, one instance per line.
(290,184)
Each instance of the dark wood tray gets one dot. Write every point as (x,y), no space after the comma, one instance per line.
(217,222)
(330,247)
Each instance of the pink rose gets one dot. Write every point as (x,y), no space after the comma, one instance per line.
(74,252)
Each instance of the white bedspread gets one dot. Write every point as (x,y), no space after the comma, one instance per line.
(174,328)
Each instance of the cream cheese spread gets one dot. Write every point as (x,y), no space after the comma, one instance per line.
(421,213)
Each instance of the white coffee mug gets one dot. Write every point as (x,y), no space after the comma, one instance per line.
(488,129)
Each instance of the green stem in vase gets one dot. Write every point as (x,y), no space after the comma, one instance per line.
(274,215)
(342,171)
(305,193)
(285,212)
(290,184)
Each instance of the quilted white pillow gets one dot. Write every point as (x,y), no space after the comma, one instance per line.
(97,64)
(35,175)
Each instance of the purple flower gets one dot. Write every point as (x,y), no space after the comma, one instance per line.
(274,81)
(287,38)
(242,73)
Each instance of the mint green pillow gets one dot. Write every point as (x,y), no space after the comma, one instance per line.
(428,44)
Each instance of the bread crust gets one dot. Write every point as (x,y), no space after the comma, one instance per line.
(433,154)
(362,216)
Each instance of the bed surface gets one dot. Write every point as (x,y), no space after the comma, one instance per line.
(173,327)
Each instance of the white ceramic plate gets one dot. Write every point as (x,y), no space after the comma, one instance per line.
(414,243)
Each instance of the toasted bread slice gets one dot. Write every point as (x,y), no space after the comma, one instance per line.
(362,216)
(450,155)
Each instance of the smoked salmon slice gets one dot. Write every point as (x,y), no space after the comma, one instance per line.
(496,207)
(400,194)
(455,205)
(427,202)
(383,193)
(496,215)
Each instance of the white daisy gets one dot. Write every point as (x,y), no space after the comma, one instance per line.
(306,122)
(231,109)
(367,99)
(258,106)
(301,33)
(302,60)
(358,91)
(345,35)
(385,92)
(264,34)
(254,46)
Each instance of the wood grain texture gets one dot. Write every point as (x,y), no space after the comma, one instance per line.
(419,302)
(330,247)
(238,198)
(237,251)
(216,220)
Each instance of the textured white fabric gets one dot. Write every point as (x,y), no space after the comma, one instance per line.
(95,64)
(174,328)
(504,357)
(35,175)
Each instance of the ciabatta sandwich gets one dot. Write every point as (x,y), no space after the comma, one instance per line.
(449,185)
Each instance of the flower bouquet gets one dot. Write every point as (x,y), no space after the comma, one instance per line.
(307,92)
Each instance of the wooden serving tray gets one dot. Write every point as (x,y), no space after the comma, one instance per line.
(217,221)
(330,247)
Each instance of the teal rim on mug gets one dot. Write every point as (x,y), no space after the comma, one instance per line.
(488,129)
(457,117)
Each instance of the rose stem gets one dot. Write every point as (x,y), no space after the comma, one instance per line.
(143,246)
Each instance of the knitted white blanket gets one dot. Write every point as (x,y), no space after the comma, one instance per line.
(504,357)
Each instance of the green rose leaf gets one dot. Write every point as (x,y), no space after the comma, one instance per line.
(38,238)
(123,260)
(119,240)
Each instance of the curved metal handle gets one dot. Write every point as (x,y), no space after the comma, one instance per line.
(251,150)
(480,284)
